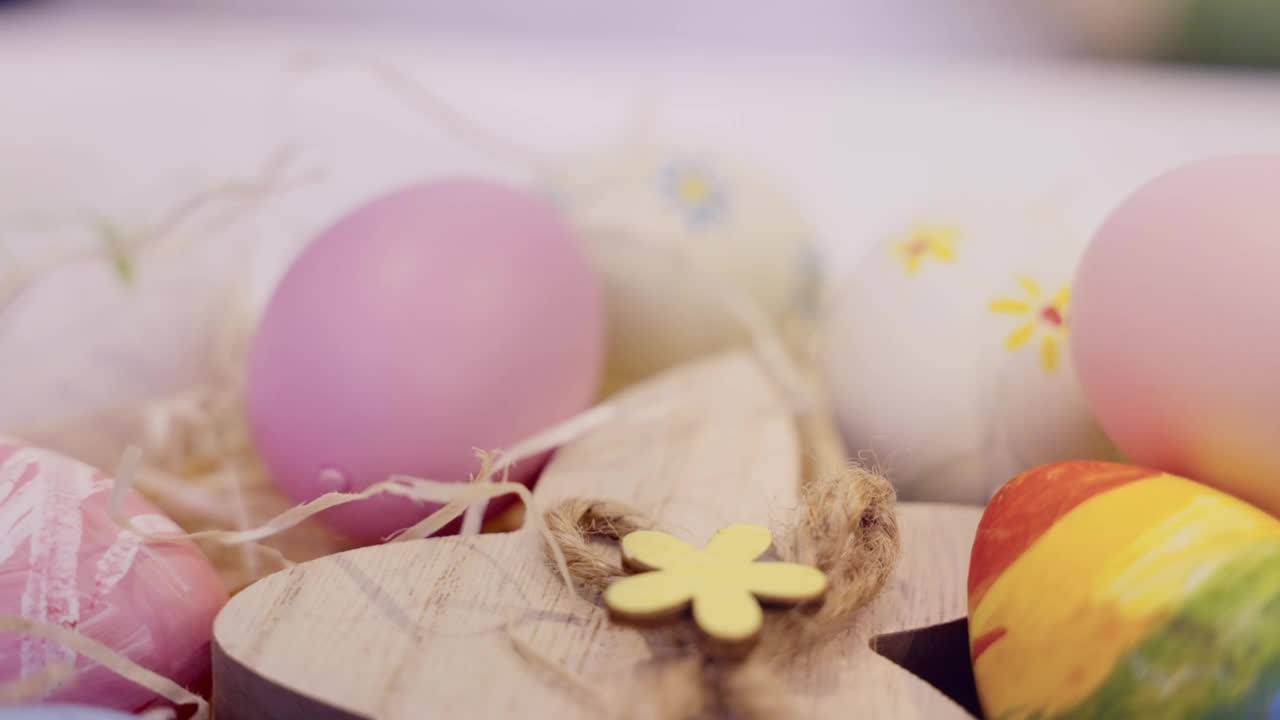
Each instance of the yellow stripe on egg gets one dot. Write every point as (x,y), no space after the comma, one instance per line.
(1097,582)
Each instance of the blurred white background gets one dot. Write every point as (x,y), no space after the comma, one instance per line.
(867,26)
(861,110)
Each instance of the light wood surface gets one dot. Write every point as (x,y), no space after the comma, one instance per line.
(414,630)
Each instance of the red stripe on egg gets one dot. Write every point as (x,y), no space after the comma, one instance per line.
(986,640)
(1029,505)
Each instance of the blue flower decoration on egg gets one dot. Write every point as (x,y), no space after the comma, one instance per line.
(694,192)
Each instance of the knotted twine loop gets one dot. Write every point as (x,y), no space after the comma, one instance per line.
(845,525)
(575,522)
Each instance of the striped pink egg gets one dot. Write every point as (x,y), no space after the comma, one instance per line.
(63,561)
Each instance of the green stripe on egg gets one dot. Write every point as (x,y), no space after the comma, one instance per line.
(1216,657)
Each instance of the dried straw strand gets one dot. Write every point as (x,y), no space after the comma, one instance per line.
(38,685)
(110,659)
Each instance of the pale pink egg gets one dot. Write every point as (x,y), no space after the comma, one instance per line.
(63,561)
(439,319)
(1176,325)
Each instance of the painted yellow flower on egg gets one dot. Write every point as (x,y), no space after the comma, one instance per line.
(1046,318)
(722,582)
(926,241)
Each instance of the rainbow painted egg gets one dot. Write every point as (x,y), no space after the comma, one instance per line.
(1106,590)
(1181,379)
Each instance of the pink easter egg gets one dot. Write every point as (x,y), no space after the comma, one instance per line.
(438,319)
(63,561)
(1176,331)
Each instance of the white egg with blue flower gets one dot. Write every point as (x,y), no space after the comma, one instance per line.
(677,236)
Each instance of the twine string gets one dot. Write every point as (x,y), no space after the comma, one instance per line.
(845,525)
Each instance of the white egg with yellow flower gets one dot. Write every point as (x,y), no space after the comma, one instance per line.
(946,352)
(678,237)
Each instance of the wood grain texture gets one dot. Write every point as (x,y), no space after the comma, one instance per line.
(411,630)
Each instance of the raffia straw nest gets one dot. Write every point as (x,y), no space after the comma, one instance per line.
(200,467)
(198,464)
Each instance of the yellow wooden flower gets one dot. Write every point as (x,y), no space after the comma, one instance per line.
(722,582)
(926,241)
(1045,318)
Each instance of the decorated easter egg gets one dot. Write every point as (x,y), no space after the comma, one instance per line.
(97,340)
(1101,590)
(679,239)
(1177,341)
(65,562)
(437,319)
(946,353)
(60,712)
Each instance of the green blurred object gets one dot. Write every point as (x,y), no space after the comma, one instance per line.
(1211,32)
(1236,32)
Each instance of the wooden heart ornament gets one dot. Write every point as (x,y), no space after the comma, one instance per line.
(421,629)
